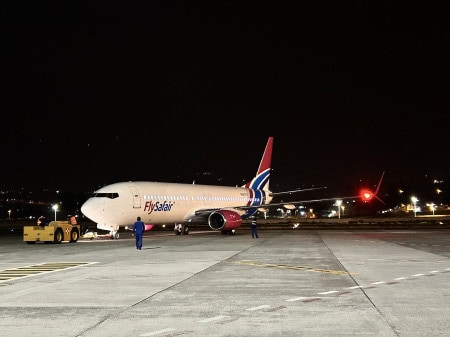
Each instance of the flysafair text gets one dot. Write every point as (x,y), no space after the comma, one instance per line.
(151,207)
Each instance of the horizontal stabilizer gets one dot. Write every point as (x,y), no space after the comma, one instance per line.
(296,191)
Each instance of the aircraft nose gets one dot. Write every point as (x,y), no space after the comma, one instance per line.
(87,209)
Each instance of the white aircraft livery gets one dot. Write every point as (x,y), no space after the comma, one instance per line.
(221,207)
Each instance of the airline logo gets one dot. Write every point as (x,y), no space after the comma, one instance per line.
(151,206)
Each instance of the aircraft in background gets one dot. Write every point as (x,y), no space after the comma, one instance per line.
(221,207)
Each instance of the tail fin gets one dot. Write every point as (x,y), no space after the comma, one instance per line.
(261,180)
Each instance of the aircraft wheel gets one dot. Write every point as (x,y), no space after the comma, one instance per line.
(74,235)
(178,229)
(228,232)
(186,230)
(59,236)
(116,236)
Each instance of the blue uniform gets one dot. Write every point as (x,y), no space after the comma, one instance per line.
(138,229)
(254,232)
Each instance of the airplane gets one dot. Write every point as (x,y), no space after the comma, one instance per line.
(223,208)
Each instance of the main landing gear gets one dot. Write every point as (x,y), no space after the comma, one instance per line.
(114,235)
(181,229)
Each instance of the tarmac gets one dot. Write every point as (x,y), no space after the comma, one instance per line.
(354,282)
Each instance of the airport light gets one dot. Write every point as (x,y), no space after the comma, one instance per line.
(9,214)
(432,207)
(339,203)
(414,201)
(55,208)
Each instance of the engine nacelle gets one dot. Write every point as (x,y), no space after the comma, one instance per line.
(224,220)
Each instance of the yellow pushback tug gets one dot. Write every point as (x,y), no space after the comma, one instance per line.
(53,232)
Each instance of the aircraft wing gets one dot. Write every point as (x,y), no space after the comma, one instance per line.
(205,212)
(299,202)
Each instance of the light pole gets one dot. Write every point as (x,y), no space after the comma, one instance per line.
(414,201)
(432,207)
(9,214)
(55,208)
(339,203)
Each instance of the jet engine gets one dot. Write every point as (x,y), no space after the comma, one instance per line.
(224,220)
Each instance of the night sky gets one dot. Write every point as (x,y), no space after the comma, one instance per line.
(95,94)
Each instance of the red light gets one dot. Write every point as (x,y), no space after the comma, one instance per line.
(366,195)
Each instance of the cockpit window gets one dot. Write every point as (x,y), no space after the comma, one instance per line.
(106,195)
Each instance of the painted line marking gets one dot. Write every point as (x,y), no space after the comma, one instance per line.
(343,293)
(379,282)
(284,266)
(328,292)
(212,319)
(296,299)
(157,332)
(418,275)
(313,299)
(264,306)
(226,321)
(434,271)
(400,278)
(355,287)
(276,308)
(28,271)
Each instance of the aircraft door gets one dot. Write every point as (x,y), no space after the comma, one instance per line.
(136,197)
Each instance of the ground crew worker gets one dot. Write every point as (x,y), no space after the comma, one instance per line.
(138,229)
(254,229)
(73,220)
(42,221)
(39,220)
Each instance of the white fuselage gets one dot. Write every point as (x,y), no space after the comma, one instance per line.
(119,204)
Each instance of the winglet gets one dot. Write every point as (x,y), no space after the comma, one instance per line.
(367,195)
(379,184)
(378,188)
